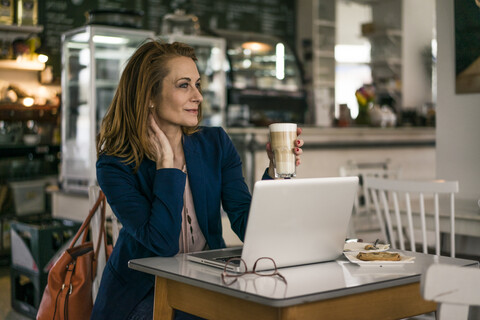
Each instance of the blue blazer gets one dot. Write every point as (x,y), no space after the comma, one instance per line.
(149,203)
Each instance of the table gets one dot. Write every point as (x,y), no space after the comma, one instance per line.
(335,290)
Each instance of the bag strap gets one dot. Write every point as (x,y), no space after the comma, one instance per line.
(86,223)
(102,234)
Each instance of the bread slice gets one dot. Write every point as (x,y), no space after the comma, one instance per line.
(379,256)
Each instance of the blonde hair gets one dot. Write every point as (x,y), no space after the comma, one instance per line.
(123,132)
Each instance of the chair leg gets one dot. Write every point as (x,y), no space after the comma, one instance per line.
(442,242)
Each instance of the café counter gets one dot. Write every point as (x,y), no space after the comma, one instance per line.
(324,152)
(412,149)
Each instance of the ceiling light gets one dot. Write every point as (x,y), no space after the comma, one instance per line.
(28,102)
(256,46)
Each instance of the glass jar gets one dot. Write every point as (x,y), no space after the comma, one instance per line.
(180,23)
(6,12)
(27,12)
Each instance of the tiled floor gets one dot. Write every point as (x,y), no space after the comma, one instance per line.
(6,311)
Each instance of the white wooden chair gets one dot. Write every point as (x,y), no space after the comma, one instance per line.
(385,194)
(454,288)
(93,192)
(362,170)
(364,218)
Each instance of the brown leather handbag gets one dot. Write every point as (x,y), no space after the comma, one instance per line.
(68,294)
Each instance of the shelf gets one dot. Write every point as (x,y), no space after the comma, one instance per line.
(15,150)
(22,65)
(384,33)
(21,29)
(324,23)
(396,93)
(255,92)
(324,53)
(20,107)
(322,71)
(389,62)
(324,84)
(18,112)
(11,32)
(364,2)
(392,35)
(102,83)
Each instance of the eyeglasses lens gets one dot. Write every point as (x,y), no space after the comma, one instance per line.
(265,267)
(235,267)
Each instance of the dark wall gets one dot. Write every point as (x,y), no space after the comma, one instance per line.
(274,17)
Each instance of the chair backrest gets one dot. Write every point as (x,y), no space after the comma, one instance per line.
(362,170)
(385,195)
(93,192)
(454,288)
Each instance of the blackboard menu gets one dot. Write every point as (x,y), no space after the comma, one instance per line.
(272,17)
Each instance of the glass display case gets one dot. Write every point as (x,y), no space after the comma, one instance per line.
(212,62)
(93,58)
(264,80)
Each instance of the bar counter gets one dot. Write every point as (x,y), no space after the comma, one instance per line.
(326,149)
(317,137)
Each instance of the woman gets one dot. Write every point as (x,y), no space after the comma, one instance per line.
(164,177)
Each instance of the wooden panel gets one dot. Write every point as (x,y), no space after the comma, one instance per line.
(213,305)
(392,303)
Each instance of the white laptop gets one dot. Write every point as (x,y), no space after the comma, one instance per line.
(294,222)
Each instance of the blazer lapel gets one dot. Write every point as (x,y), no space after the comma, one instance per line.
(196,176)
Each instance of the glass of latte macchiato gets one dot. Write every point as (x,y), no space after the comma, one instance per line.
(282,140)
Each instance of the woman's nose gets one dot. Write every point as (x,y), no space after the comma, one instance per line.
(197,96)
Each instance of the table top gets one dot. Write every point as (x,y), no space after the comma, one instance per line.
(307,283)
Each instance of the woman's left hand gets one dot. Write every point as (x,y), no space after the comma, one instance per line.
(297,150)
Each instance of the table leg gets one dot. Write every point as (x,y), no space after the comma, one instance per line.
(161,307)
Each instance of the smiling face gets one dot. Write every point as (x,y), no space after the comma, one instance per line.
(179,102)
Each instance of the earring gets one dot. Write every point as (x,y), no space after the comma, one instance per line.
(151,106)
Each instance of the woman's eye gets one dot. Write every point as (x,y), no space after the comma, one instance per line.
(184,85)
(198,85)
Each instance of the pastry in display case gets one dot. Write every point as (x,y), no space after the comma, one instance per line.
(264,80)
(93,58)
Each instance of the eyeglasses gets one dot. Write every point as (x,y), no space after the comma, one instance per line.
(236,267)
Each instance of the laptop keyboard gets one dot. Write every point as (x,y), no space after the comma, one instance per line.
(225,259)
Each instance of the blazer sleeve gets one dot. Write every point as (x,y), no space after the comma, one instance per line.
(266,176)
(236,197)
(152,219)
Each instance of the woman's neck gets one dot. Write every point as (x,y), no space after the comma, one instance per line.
(175,137)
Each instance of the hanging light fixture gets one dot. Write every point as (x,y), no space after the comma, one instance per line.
(255,46)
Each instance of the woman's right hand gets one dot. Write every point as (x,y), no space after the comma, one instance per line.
(161,147)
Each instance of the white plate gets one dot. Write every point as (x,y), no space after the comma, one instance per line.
(352,257)
(360,246)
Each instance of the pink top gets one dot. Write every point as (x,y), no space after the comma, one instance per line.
(191,237)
